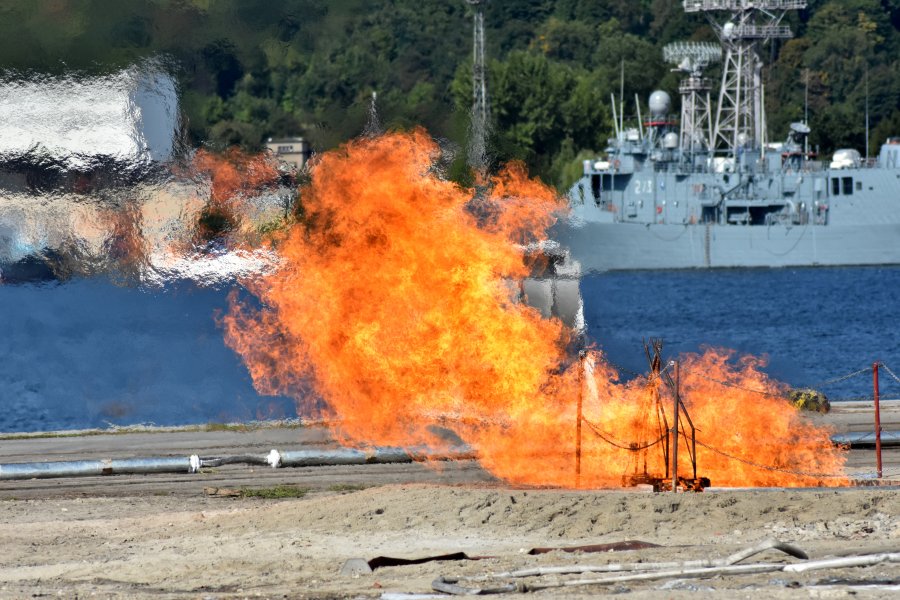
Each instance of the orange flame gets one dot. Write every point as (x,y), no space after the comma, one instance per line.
(393,307)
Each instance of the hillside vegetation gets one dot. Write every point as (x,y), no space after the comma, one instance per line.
(249,69)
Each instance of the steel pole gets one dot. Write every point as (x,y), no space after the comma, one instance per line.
(877,420)
(675,434)
(579,418)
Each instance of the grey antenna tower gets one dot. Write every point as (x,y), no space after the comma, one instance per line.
(740,118)
(696,106)
(480,107)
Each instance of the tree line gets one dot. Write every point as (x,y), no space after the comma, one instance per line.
(250,69)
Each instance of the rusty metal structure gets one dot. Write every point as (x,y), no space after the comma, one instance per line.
(666,436)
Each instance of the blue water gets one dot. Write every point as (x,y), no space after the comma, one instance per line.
(90,354)
(812,324)
(87,353)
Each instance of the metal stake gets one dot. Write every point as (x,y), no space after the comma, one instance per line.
(877,420)
(675,433)
(583,356)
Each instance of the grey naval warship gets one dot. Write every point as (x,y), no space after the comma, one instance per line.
(710,190)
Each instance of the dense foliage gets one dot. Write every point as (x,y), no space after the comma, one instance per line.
(254,68)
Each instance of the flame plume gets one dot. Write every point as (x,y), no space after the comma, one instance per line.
(393,308)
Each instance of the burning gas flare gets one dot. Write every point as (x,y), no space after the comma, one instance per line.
(393,313)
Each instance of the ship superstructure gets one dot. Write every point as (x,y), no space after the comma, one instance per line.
(704,191)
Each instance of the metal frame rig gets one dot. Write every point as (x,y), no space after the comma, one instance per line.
(667,436)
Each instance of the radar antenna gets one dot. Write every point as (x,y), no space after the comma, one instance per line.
(740,118)
(480,107)
(696,106)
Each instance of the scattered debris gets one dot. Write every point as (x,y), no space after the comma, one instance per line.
(222,492)
(403,596)
(613,547)
(648,566)
(389,561)
(270,493)
(844,561)
(449,585)
(654,571)
(354,567)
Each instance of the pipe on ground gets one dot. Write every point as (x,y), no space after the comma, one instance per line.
(87,468)
(352,456)
(193,463)
(845,561)
(733,559)
(866,439)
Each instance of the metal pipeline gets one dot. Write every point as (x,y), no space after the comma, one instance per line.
(87,468)
(351,456)
(193,463)
(866,439)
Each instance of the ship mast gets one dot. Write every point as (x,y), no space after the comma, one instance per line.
(696,107)
(740,118)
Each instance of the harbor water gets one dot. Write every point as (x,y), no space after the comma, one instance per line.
(813,325)
(88,353)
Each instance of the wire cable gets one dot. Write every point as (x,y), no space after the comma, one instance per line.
(891,373)
(770,467)
(618,444)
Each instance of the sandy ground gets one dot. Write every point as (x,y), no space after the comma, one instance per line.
(165,536)
(197,546)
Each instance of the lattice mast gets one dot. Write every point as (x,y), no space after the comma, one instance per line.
(740,117)
(692,58)
(480,106)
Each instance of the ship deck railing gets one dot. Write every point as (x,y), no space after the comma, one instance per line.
(691,6)
(681,168)
(811,166)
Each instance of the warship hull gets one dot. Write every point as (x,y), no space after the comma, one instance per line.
(626,246)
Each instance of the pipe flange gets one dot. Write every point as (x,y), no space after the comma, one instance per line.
(274,458)
(195,464)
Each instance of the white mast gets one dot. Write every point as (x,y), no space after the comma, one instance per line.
(696,112)
(740,119)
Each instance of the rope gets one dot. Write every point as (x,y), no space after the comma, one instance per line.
(891,373)
(740,387)
(813,386)
(614,442)
(853,399)
(834,380)
(769,467)
(861,438)
(816,385)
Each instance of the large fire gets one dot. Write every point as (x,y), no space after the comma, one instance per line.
(394,314)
